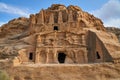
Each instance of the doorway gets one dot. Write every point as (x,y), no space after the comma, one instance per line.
(98,55)
(30,56)
(61,57)
(56,28)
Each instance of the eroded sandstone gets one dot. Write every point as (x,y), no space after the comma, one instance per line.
(54,36)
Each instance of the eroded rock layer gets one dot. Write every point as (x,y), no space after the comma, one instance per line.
(55,43)
(114,30)
(58,34)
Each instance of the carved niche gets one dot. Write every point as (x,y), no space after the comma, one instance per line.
(80,56)
(42,56)
(50,56)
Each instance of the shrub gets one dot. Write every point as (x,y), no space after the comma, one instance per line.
(4,75)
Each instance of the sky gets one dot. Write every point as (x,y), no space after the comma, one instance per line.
(107,10)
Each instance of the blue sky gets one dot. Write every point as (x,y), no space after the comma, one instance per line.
(107,10)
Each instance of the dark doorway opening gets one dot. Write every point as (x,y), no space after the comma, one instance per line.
(31,56)
(97,55)
(61,57)
(56,28)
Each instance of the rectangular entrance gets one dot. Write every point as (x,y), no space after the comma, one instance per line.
(61,57)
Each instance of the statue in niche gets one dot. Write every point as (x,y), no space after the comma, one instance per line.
(42,56)
(80,56)
(72,55)
(50,58)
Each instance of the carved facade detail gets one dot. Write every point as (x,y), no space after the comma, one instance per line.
(63,36)
(50,45)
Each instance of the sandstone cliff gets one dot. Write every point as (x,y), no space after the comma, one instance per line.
(14,27)
(15,34)
(115,31)
(10,36)
(99,48)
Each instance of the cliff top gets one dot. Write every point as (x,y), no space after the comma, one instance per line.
(63,7)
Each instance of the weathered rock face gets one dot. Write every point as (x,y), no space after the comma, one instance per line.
(10,35)
(14,27)
(59,34)
(59,14)
(114,30)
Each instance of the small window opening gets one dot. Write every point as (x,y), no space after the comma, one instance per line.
(31,56)
(56,28)
(97,55)
(61,57)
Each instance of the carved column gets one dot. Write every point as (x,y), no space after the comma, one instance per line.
(32,22)
(39,40)
(85,55)
(32,19)
(70,20)
(60,20)
(83,39)
(50,56)
(70,17)
(51,20)
(37,56)
(40,17)
(55,54)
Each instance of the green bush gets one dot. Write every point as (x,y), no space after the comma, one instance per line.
(4,75)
